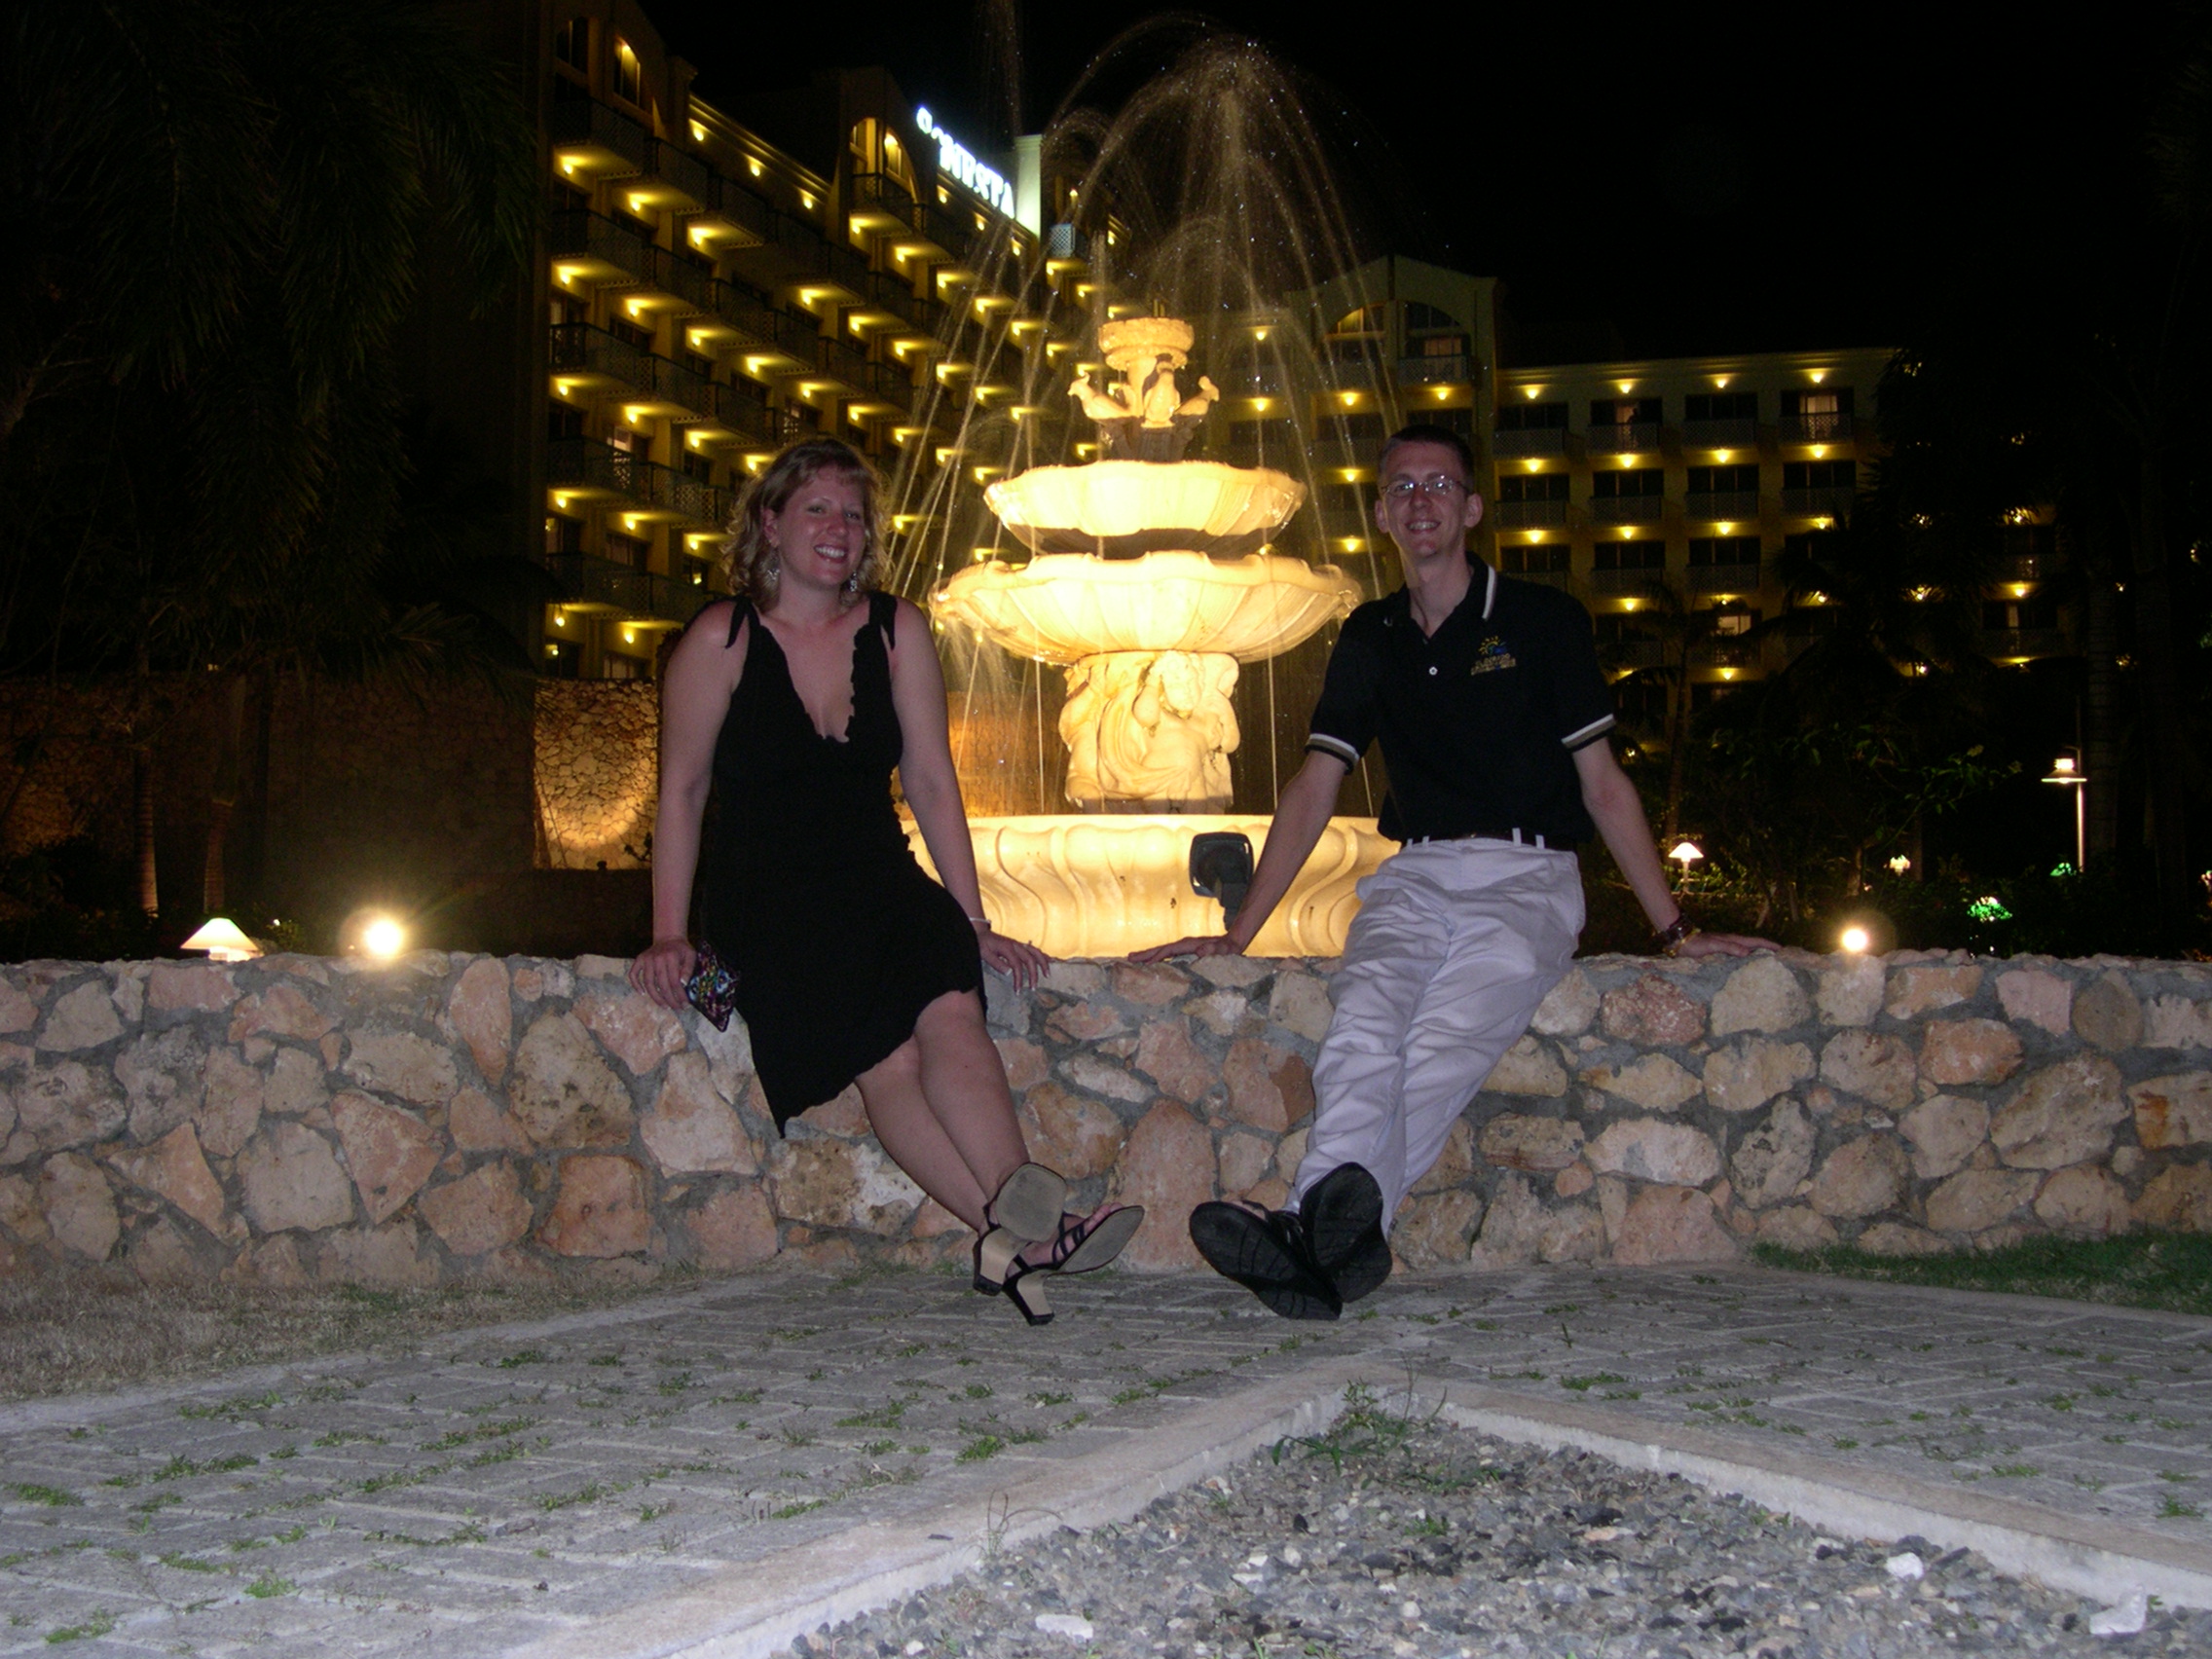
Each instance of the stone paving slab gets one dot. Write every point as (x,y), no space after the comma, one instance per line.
(534,1487)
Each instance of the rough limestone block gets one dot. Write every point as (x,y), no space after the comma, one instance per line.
(1749,1072)
(1169,1167)
(478,1011)
(175,1169)
(2085,1200)
(80,1019)
(1671,1224)
(1301,1004)
(481,1212)
(1850,991)
(1763,995)
(1975,1200)
(17,1011)
(1269,1088)
(1528,1067)
(599,1209)
(1151,984)
(1797,1228)
(392,1153)
(632,1027)
(1167,1055)
(1862,1177)
(289,1177)
(230,1109)
(1915,991)
(2178,1199)
(2107,1015)
(283,1009)
(1436,1229)
(561,1093)
(185,987)
(2031,996)
(2177,1023)
(1774,1158)
(2063,1113)
(1969,1051)
(78,1205)
(1568,1008)
(849,1185)
(271,1264)
(1653,1012)
(733,1229)
(1078,1136)
(68,1105)
(1512,1229)
(1895,1238)
(1654,1082)
(1650,1149)
(1455,1165)
(1874,1065)
(1542,1145)
(295,1084)
(691,1128)
(1245,1161)
(1943,1133)
(1086,1071)
(391,1256)
(2172,1111)
(20,1216)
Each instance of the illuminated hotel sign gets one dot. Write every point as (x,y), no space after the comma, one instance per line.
(953,158)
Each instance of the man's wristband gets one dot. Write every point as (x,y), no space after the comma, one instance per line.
(1672,935)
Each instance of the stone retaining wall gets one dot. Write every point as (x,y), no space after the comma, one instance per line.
(304,1118)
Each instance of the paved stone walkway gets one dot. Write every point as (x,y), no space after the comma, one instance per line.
(503,1490)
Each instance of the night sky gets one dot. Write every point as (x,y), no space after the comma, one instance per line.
(1647,181)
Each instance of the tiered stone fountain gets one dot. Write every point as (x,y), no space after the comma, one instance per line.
(1150,580)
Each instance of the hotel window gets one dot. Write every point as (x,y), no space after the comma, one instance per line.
(695,465)
(703,367)
(1820,475)
(1724,480)
(1708,550)
(1364,428)
(1530,417)
(1721,406)
(1734,621)
(1537,560)
(627,550)
(1539,487)
(572,45)
(2038,610)
(1636,482)
(1624,412)
(629,75)
(1819,400)
(1630,556)
(563,534)
(637,334)
(564,421)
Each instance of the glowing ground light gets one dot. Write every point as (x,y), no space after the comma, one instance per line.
(384,938)
(1854,939)
(1989,908)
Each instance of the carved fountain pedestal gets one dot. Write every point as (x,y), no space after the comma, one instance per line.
(1149,581)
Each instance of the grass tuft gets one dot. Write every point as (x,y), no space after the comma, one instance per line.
(2167,1271)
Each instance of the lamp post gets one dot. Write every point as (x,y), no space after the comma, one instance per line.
(2065,772)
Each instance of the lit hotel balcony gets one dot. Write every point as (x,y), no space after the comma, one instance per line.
(1528,515)
(1433,371)
(2004,643)
(1631,581)
(1628,437)
(1741,433)
(1720,505)
(1829,428)
(1528,441)
(585,465)
(1725,579)
(589,583)
(1627,509)
(592,355)
(1832,503)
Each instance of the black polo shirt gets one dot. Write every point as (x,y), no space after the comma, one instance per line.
(1479,722)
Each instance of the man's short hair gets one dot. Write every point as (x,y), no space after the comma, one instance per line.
(1428,432)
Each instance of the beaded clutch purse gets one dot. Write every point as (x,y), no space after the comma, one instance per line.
(712,988)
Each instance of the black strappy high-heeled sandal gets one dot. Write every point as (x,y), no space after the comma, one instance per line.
(1026,1209)
(1082,1246)
(1024,1287)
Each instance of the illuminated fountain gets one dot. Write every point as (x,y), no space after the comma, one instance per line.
(1150,578)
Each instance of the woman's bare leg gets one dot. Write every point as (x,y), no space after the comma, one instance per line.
(909,1131)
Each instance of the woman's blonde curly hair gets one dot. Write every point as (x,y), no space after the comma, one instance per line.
(750,559)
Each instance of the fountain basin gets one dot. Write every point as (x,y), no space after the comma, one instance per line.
(1067,607)
(1084,885)
(1123,508)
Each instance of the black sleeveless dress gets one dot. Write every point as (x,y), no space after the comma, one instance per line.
(806,884)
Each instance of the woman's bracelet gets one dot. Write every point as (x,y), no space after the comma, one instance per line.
(981,924)
(1675,932)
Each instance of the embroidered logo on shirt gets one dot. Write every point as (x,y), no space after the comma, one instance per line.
(1492,655)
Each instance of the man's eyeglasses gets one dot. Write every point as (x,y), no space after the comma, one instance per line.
(1404,490)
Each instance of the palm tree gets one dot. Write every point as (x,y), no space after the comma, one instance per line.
(211,217)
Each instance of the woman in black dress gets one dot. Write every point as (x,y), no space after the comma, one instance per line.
(783,712)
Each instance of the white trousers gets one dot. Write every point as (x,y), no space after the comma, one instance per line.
(1454,945)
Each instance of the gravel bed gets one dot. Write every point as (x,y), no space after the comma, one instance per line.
(1393,1537)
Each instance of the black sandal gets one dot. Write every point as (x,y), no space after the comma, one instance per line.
(1026,1209)
(1083,1247)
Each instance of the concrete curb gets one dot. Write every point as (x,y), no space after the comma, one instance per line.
(2105,1560)
(760,1608)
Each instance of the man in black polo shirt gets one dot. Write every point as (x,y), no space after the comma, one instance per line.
(1487,698)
